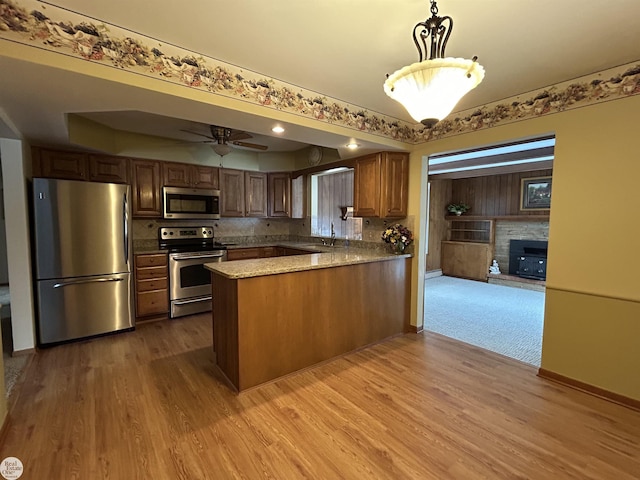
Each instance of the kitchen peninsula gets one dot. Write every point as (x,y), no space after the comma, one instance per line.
(275,316)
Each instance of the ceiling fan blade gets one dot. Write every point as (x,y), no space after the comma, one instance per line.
(197,133)
(239,135)
(251,145)
(185,143)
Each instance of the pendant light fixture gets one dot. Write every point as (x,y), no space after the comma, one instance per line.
(430,89)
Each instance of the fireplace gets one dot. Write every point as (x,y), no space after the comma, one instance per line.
(528,258)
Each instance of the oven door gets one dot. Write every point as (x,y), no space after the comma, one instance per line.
(190,282)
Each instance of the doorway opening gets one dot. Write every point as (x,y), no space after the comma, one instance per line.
(474,292)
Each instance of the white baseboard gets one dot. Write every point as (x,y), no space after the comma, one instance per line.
(433,273)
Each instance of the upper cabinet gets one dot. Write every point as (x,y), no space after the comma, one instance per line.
(60,164)
(243,193)
(231,192)
(395,185)
(104,168)
(255,188)
(381,185)
(80,166)
(189,176)
(366,197)
(147,188)
(279,194)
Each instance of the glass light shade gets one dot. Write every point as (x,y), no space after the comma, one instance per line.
(430,89)
(221,149)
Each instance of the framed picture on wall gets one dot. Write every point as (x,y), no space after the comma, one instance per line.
(535,193)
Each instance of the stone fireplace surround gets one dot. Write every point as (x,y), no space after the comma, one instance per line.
(507,230)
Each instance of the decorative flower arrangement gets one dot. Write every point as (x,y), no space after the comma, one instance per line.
(399,236)
(458,208)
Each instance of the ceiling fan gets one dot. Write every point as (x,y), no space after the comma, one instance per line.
(222,137)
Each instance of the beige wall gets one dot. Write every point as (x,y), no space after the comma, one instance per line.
(592,316)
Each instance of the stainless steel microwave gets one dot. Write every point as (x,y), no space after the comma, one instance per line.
(190,203)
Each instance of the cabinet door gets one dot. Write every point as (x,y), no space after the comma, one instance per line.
(395,183)
(65,165)
(231,193)
(146,186)
(103,168)
(152,293)
(153,302)
(279,194)
(366,195)
(176,174)
(256,194)
(243,253)
(204,177)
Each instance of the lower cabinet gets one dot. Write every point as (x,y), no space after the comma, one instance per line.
(263,252)
(152,284)
(243,253)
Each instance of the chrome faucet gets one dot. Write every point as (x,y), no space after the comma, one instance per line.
(332,242)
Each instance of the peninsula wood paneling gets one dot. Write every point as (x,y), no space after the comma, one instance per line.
(495,195)
(278,324)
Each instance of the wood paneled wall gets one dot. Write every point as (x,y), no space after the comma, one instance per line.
(439,198)
(335,191)
(495,194)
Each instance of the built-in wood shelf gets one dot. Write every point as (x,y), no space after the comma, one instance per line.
(513,218)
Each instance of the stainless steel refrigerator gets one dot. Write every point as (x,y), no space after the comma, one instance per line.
(82,258)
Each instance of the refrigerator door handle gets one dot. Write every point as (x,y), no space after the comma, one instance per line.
(125,223)
(92,280)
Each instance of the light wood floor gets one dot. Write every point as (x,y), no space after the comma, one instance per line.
(149,405)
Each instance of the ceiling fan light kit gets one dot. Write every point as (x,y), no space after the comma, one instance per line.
(221,149)
(430,89)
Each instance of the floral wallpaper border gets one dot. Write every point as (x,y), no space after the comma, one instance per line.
(42,25)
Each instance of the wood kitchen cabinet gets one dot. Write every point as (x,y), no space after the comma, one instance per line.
(189,176)
(243,253)
(231,193)
(60,164)
(243,194)
(279,189)
(255,188)
(104,168)
(79,166)
(381,185)
(263,252)
(146,185)
(152,284)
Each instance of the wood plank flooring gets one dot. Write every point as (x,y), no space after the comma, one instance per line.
(150,405)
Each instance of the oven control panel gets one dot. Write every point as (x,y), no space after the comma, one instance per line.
(185,233)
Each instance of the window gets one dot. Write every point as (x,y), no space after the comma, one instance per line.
(330,191)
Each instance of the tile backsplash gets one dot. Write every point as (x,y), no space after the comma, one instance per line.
(261,230)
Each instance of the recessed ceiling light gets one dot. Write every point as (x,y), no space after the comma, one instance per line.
(352,145)
(277,129)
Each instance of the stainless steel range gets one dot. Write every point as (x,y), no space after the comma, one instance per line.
(189,282)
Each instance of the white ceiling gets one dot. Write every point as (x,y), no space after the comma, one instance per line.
(341,49)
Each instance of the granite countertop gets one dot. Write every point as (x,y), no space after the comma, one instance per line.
(327,257)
